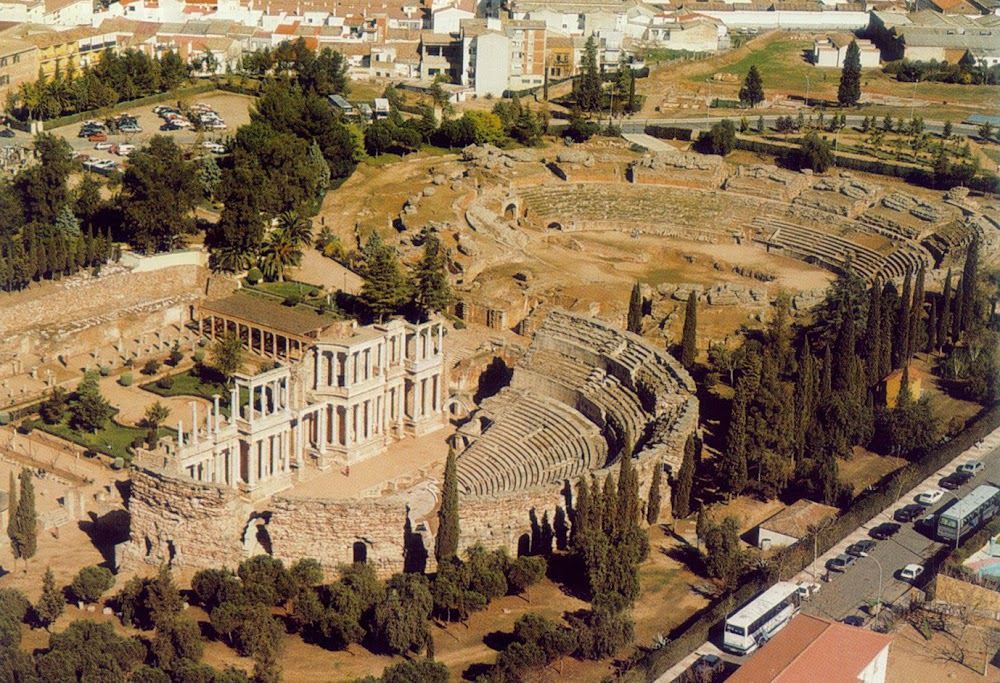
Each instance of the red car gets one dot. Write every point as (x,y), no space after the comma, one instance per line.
(98,137)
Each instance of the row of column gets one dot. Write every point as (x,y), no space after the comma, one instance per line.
(425,343)
(270,396)
(335,369)
(267,344)
(424,396)
(267,457)
(217,467)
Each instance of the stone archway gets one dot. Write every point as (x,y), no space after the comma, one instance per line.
(359,552)
(554,226)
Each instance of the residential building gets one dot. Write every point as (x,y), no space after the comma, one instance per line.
(831,51)
(79,46)
(440,54)
(18,64)
(811,649)
(927,35)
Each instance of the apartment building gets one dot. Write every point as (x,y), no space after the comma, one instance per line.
(18,64)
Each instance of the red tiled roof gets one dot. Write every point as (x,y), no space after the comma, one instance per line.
(810,645)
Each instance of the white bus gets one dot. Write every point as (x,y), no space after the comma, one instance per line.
(970,513)
(762,617)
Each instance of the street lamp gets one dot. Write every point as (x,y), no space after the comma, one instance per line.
(878,597)
(807,91)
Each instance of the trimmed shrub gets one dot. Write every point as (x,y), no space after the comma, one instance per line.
(165,382)
(151,367)
(254,275)
(126,379)
(91,583)
(104,370)
(199,355)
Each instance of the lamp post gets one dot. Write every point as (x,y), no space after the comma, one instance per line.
(807,91)
(878,597)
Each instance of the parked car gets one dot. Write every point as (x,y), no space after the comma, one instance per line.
(125,150)
(807,590)
(955,480)
(707,665)
(854,620)
(929,498)
(884,531)
(972,467)
(861,548)
(6,133)
(103,145)
(911,572)
(841,562)
(908,513)
(98,137)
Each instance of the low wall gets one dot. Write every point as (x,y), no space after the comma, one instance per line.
(173,259)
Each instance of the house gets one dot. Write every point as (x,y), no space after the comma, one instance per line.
(79,46)
(793,524)
(930,36)
(18,64)
(440,55)
(894,381)
(448,19)
(831,51)
(809,645)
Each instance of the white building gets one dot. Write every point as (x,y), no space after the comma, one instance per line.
(831,51)
(338,395)
(489,65)
(448,19)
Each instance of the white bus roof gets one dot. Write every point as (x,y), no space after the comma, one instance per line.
(757,607)
(979,495)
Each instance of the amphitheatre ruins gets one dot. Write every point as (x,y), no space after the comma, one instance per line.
(531,237)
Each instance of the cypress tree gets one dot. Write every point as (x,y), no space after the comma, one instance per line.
(11,505)
(51,603)
(888,308)
(873,334)
(635,310)
(969,278)
(430,280)
(826,386)
(805,398)
(849,90)
(915,336)
(845,356)
(932,327)
(901,343)
(580,533)
(752,92)
(595,523)
(24,540)
(609,506)
(944,322)
(689,340)
(446,543)
(655,496)
(956,321)
(685,481)
(734,462)
(628,494)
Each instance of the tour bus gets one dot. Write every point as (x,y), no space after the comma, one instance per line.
(762,617)
(969,514)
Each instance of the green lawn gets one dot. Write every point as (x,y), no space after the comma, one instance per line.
(188,383)
(290,288)
(114,440)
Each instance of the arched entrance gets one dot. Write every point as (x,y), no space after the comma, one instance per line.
(359,552)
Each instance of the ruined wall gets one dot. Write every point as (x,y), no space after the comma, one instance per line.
(501,521)
(184,522)
(328,529)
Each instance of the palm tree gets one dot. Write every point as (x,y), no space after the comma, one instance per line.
(297,226)
(280,251)
(228,260)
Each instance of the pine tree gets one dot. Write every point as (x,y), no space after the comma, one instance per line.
(849,90)
(67,223)
(385,289)
(90,411)
(685,481)
(588,84)
(51,603)
(752,92)
(655,496)
(446,543)
(24,540)
(430,281)
(689,348)
(944,322)
(635,310)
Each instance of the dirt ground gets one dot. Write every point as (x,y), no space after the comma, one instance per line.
(913,659)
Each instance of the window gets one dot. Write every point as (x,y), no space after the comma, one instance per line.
(738,630)
(3,61)
(4,80)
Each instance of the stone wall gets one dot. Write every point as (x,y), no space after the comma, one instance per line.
(328,530)
(183,522)
(501,521)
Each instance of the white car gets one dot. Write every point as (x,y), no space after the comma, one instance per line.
(973,467)
(103,145)
(125,150)
(930,498)
(910,572)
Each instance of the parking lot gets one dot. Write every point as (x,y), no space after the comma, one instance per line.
(232,108)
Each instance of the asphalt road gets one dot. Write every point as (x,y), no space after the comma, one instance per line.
(851,592)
